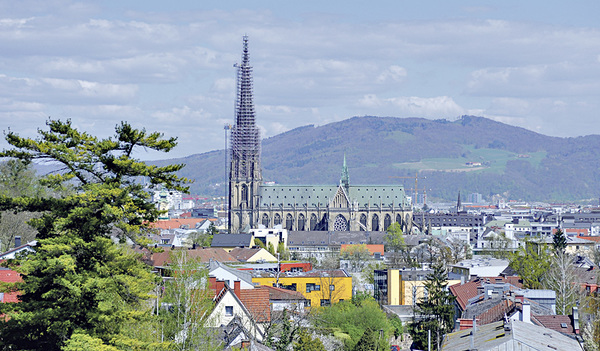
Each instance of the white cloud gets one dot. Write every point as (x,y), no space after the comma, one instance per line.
(435,107)
(172,68)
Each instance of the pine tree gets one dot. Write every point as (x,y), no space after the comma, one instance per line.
(559,241)
(78,279)
(435,312)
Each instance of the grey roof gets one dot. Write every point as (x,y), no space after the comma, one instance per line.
(518,336)
(311,195)
(231,240)
(243,275)
(333,238)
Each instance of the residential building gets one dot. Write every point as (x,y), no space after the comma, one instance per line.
(401,286)
(319,287)
(511,335)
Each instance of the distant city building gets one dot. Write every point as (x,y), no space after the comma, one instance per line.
(342,207)
(475,198)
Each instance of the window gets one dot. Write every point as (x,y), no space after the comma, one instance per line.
(332,287)
(325,302)
(307,304)
(312,287)
(228,311)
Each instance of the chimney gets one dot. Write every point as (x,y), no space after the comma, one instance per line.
(576,319)
(526,312)
(236,288)
(17,241)
(519,297)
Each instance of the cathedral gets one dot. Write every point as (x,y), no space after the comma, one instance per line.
(341,207)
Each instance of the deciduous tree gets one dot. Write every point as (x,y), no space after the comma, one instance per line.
(531,262)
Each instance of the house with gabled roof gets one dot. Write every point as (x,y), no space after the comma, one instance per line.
(229,242)
(257,254)
(12,253)
(227,274)
(247,307)
(281,299)
(508,335)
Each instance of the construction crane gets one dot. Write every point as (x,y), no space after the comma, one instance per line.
(415,189)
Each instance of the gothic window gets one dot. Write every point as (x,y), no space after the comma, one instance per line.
(289,222)
(363,221)
(277,219)
(340,224)
(240,223)
(375,223)
(265,220)
(301,221)
(244,194)
(387,221)
(399,219)
(313,221)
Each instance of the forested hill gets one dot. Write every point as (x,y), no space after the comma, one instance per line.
(471,154)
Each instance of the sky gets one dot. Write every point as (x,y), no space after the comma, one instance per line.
(169,66)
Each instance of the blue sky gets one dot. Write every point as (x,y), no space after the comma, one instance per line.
(168,66)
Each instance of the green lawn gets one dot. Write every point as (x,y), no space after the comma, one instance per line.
(493,160)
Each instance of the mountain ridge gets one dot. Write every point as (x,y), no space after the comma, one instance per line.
(470,154)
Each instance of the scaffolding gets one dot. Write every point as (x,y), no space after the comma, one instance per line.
(245,136)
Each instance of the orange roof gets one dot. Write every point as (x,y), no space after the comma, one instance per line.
(373,248)
(257,302)
(592,238)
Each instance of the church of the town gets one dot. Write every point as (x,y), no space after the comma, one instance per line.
(341,207)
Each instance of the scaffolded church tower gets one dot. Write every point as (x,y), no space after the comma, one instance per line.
(245,172)
(341,207)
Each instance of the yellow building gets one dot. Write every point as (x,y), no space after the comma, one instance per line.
(402,287)
(320,287)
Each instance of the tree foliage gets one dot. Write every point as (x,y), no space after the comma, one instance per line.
(394,239)
(435,312)
(357,255)
(531,262)
(561,278)
(188,302)
(307,343)
(349,320)
(78,279)
(18,179)
(559,241)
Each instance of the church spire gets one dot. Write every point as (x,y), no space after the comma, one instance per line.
(345,179)
(459,207)
(245,136)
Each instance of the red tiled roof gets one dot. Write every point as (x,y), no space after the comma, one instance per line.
(464,292)
(283,294)
(257,302)
(9,276)
(554,322)
(496,313)
(161,259)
